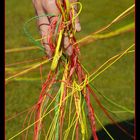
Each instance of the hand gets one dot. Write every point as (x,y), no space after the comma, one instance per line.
(50,7)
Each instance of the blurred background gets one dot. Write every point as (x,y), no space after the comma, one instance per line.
(117,82)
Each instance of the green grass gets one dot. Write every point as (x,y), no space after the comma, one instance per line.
(116,83)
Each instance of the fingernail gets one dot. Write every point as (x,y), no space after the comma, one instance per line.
(69,50)
(49,54)
(66,42)
(78,27)
(48,51)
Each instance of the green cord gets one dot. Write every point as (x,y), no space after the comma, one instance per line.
(112,102)
(30,37)
(103,127)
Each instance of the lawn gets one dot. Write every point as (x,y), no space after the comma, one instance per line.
(117,82)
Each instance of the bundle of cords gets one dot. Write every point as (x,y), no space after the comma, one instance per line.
(67,86)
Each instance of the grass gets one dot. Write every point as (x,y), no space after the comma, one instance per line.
(116,83)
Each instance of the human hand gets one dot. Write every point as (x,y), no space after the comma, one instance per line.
(50,7)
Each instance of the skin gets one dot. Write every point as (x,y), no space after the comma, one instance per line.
(49,7)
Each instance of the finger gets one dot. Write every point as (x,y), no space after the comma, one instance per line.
(42,21)
(67,46)
(40,11)
(45,32)
(43,24)
(48,50)
(77,22)
(69,50)
(77,26)
(50,7)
